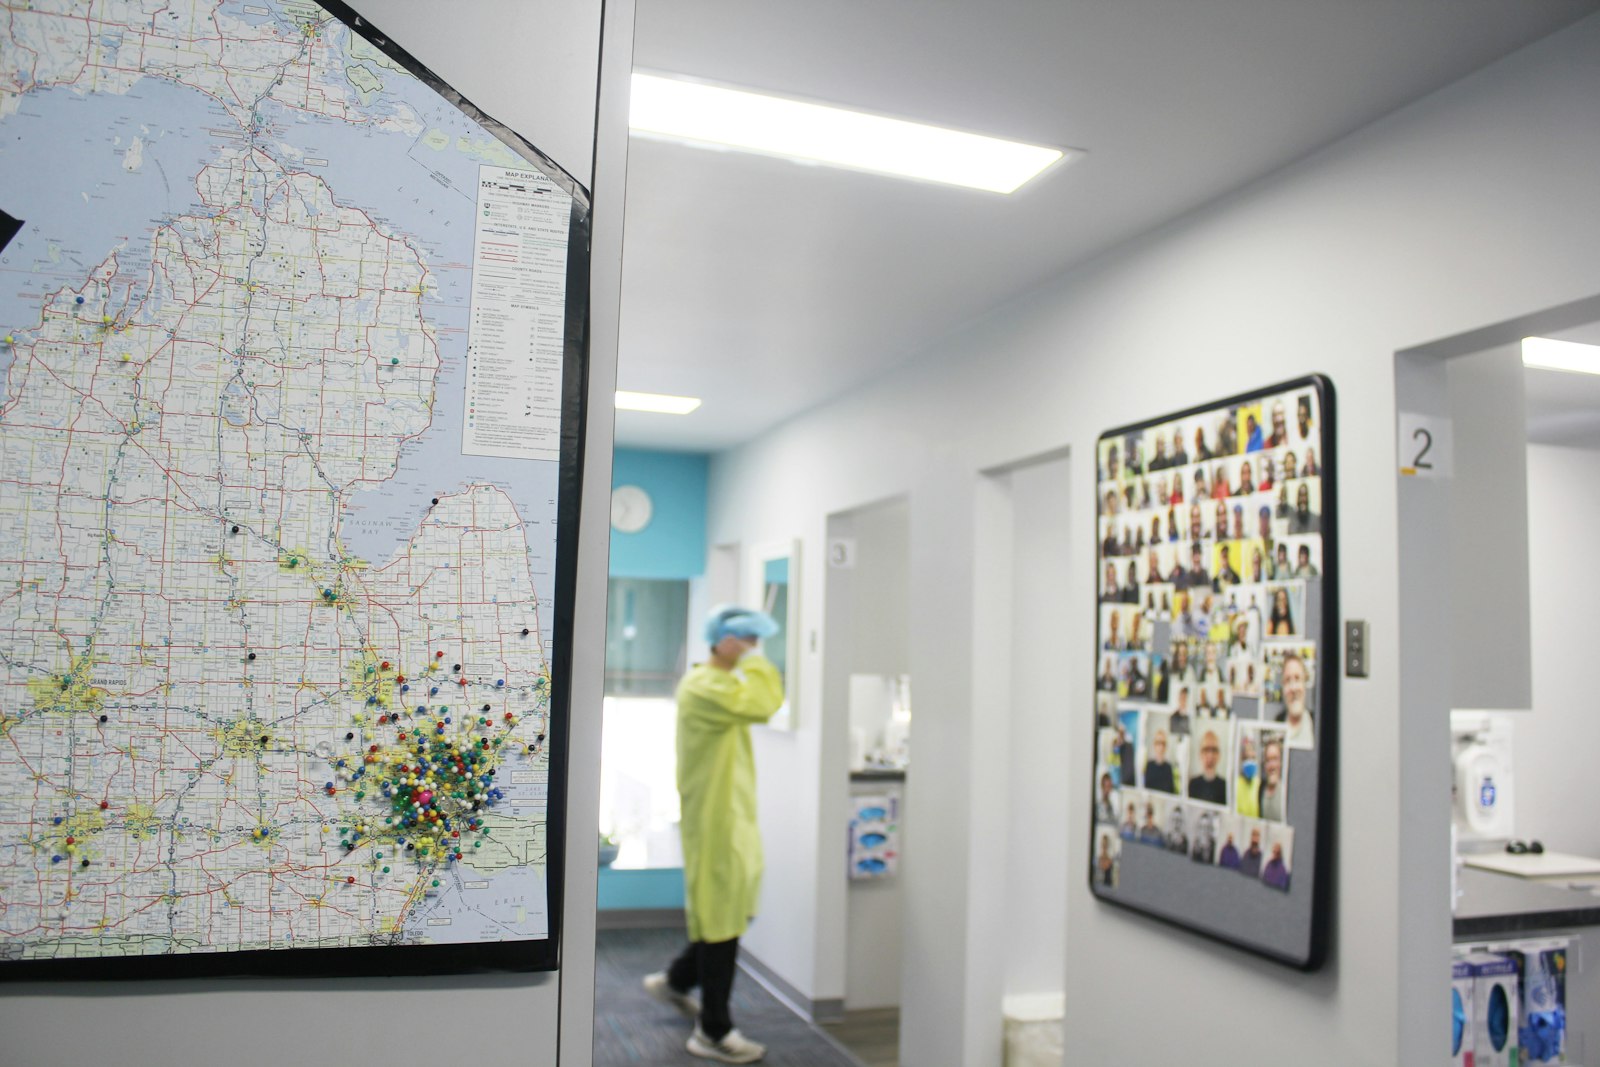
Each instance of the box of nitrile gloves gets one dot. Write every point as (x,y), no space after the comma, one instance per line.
(1460,1014)
(1494,1009)
(1542,1003)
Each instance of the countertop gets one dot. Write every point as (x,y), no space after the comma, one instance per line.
(1494,904)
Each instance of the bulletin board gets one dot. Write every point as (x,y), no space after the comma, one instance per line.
(291,435)
(1216,669)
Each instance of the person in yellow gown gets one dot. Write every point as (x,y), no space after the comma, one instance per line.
(717,702)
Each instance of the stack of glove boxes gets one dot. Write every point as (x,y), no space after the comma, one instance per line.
(1508,1005)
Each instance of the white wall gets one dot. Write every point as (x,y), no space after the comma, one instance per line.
(1557,791)
(534,65)
(1471,206)
(1041,729)
(868,629)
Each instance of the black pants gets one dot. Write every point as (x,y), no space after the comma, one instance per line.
(710,966)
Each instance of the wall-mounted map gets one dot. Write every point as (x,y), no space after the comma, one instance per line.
(288,342)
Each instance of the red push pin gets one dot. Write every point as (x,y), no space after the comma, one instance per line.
(384,666)
(350,881)
(104,804)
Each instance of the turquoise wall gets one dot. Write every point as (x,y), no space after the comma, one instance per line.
(630,890)
(674,544)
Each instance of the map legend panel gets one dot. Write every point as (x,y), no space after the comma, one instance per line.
(519,270)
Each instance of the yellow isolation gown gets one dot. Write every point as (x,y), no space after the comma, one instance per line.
(717,785)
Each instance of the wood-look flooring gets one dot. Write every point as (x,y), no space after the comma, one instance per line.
(872,1036)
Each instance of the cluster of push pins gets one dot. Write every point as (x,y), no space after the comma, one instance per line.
(106,323)
(433,780)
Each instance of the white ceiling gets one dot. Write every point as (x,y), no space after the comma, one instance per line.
(768,288)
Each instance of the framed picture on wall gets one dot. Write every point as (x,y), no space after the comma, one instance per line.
(772,585)
(1215,667)
(291,696)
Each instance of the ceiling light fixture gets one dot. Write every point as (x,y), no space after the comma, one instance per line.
(1546,353)
(712,116)
(660,403)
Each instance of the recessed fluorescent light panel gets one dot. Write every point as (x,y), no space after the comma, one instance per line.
(712,116)
(660,403)
(1546,353)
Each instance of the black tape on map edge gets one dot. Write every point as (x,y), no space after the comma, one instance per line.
(9,228)
(489,957)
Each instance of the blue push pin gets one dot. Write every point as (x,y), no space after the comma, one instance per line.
(79,300)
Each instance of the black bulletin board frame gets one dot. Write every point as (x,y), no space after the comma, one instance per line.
(1308,952)
(488,957)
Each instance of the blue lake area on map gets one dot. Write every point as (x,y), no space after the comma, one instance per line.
(72,224)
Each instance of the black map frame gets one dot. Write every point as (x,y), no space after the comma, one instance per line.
(526,955)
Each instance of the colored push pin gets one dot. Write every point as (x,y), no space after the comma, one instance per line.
(457,667)
(79,300)
(395,362)
(10,339)
(524,631)
(104,804)
(435,500)
(234,530)
(105,718)
(500,684)
(384,665)
(438,655)
(251,657)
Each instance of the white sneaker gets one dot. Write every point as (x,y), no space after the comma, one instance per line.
(733,1048)
(657,986)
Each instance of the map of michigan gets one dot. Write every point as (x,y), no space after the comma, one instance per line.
(274,656)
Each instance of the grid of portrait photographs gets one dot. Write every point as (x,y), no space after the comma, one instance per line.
(1210,569)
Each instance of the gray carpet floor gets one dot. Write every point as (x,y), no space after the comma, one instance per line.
(630,1028)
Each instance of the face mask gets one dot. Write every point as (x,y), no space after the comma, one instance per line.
(1247,770)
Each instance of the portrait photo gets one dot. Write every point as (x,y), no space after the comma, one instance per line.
(1179,821)
(1132,815)
(1126,757)
(1261,785)
(1153,819)
(1298,557)
(1210,759)
(1133,676)
(1278,846)
(1286,609)
(1252,851)
(1108,795)
(1251,433)
(1203,837)
(1230,845)
(1105,702)
(1162,766)
(1107,856)
(1304,497)
(1290,691)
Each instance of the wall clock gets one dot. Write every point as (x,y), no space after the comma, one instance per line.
(631,509)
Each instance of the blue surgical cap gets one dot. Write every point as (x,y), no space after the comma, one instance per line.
(730,620)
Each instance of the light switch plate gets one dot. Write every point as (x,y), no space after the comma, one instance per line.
(1355,648)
